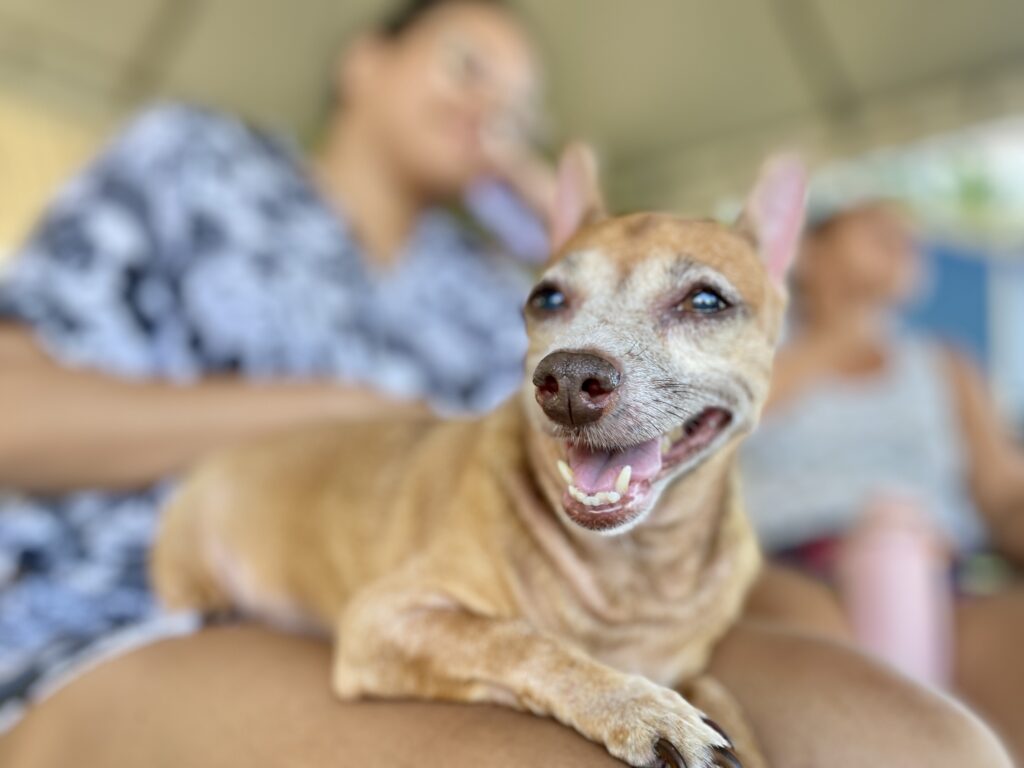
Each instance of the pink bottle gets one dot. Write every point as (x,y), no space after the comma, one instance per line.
(893,578)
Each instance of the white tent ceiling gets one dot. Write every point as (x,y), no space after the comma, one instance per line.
(681,96)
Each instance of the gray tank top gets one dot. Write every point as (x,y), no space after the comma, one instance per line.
(816,461)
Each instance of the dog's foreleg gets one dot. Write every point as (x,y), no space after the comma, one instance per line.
(424,646)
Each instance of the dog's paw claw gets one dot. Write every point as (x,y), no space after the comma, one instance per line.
(718,729)
(668,755)
(726,758)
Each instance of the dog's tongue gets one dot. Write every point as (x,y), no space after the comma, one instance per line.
(595,471)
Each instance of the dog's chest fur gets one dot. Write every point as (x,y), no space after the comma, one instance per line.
(652,602)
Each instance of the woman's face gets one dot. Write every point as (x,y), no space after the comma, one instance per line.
(869,255)
(458,82)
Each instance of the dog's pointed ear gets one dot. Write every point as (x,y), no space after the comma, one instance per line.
(578,198)
(773,216)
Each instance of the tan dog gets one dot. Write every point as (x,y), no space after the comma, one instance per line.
(573,554)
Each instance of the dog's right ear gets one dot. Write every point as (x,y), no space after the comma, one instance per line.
(578,199)
(774,214)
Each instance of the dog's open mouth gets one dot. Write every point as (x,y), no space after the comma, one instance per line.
(606,488)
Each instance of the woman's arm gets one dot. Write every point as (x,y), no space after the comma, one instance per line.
(996,464)
(63,429)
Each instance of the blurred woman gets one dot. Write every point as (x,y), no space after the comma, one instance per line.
(202,282)
(881,461)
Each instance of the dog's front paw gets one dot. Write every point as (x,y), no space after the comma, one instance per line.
(651,726)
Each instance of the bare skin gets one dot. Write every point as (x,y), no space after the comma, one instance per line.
(413,132)
(98,431)
(989,632)
(989,635)
(787,597)
(217,698)
(849,279)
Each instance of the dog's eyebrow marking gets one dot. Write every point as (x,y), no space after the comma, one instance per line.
(570,262)
(682,268)
(685,269)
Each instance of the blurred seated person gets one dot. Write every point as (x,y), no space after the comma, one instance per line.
(880,468)
(202,282)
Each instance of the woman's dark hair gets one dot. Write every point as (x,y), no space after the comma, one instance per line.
(409,13)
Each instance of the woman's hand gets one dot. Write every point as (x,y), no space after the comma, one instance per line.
(524,169)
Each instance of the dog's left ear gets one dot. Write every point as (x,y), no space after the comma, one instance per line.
(578,198)
(774,213)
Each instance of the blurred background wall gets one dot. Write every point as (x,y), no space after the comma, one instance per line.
(681,97)
(39,146)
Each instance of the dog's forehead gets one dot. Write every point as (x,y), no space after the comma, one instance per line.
(628,243)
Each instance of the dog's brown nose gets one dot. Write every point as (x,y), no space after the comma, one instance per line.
(575,388)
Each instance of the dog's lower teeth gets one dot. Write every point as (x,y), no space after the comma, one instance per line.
(566,473)
(599,499)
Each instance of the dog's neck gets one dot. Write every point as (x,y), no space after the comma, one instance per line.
(660,561)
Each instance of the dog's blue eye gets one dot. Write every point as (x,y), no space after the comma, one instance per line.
(703,301)
(547,298)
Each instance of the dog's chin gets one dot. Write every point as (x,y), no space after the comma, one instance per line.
(610,491)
